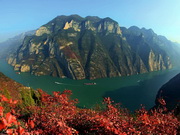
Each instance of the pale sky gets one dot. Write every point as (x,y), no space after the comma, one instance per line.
(163,16)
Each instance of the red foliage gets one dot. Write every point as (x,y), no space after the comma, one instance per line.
(157,122)
(9,87)
(53,115)
(162,101)
(69,53)
(58,114)
(8,122)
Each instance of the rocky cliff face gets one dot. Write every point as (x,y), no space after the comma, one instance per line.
(145,43)
(91,47)
(11,45)
(170,92)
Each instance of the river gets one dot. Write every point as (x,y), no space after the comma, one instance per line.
(130,91)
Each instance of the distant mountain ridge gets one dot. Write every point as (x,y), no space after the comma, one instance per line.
(9,46)
(157,42)
(90,47)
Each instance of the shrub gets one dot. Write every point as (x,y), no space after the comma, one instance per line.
(58,114)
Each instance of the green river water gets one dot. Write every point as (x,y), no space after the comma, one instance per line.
(130,91)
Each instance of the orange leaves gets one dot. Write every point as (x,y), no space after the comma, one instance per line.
(1,111)
(13,102)
(10,101)
(10,131)
(156,122)
(3,98)
(20,130)
(52,117)
(31,123)
(162,101)
(2,125)
(10,119)
(144,118)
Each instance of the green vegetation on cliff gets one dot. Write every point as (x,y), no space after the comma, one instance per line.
(13,90)
(90,47)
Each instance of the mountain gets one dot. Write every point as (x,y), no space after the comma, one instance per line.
(170,92)
(90,47)
(11,45)
(145,39)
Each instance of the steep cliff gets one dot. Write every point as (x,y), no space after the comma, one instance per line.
(9,46)
(145,43)
(170,92)
(91,47)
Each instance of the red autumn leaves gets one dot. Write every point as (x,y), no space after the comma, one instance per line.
(58,114)
(8,120)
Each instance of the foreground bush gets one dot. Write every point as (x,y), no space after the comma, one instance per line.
(58,114)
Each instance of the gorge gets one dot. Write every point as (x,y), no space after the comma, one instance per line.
(130,91)
(90,48)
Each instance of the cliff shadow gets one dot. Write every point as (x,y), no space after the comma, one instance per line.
(141,93)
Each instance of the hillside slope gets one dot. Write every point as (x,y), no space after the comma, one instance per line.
(170,92)
(91,47)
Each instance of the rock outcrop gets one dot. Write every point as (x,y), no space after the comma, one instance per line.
(42,30)
(91,47)
(170,92)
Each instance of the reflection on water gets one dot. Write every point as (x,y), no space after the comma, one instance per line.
(131,91)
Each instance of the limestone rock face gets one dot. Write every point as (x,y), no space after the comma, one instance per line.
(147,45)
(10,60)
(17,67)
(105,25)
(156,62)
(25,68)
(86,48)
(72,24)
(42,30)
(110,27)
(76,69)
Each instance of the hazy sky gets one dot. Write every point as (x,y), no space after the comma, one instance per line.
(163,16)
